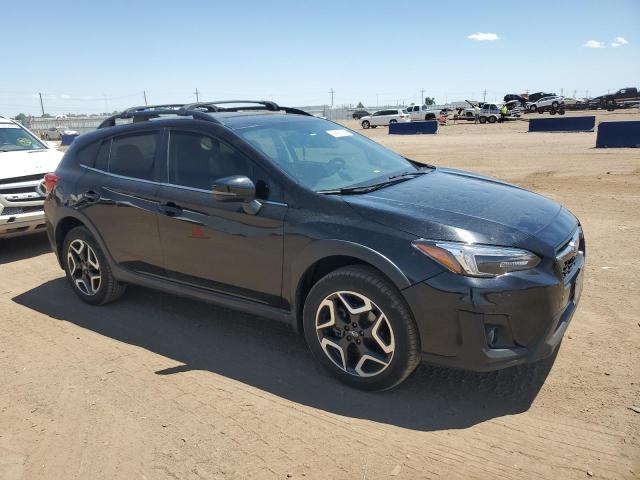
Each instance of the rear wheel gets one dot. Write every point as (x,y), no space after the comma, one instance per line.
(532,108)
(366,124)
(359,327)
(392,121)
(483,120)
(430,116)
(87,269)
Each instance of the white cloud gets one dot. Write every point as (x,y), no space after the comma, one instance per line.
(594,44)
(483,37)
(619,41)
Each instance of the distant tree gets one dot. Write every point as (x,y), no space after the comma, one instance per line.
(360,105)
(47,115)
(429,101)
(412,104)
(21,117)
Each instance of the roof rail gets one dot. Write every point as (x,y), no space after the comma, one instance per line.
(197,110)
(271,106)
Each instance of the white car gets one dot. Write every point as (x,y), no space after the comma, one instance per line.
(545,103)
(423,112)
(24,160)
(385,117)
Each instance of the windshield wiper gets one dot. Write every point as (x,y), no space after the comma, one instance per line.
(393,179)
(408,174)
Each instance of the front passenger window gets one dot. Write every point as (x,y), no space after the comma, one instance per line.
(197,160)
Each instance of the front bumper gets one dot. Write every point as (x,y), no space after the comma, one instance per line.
(487,324)
(22,224)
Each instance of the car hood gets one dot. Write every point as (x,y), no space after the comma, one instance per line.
(453,205)
(31,162)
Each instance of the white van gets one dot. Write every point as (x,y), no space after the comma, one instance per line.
(385,117)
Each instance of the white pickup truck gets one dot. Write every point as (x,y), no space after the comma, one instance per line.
(423,112)
(24,160)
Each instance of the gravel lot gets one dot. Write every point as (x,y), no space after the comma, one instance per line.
(160,387)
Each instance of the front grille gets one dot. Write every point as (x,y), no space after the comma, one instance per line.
(19,210)
(28,178)
(568,254)
(567,266)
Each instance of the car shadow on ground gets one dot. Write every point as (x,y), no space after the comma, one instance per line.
(20,248)
(272,358)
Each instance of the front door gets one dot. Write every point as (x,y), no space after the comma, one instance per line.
(218,245)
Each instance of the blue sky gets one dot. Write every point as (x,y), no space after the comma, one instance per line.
(93,56)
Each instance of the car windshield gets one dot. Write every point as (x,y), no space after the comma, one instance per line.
(14,138)
(322,155)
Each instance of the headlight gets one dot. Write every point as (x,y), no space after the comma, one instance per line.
(477,260)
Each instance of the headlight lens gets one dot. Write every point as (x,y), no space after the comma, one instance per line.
(477,260)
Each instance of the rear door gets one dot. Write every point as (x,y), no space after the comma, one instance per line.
(221,246)
(119,197)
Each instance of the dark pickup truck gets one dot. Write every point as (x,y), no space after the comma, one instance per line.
(619,98)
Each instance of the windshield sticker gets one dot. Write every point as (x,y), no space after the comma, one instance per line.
(25,142)
(340,133)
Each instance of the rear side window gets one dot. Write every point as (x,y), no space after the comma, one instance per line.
(87,155)
(134,155)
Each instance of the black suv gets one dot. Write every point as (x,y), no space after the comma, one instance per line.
(379,260)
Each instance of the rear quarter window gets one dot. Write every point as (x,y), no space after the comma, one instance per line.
(87,155)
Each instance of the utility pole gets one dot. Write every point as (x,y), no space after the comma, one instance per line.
(561,92)
(197,94)
(41,105)
(331,92)
(377,99)
(422,96)
(484,95)
(144,92)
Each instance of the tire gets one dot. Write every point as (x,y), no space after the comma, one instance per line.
(540,111)
(83,261)
(374,126)
(392,121)
(532,108)
(430,116)
(392,336)
(561,111)
(493,119)
(552,112)
(366,124)
(483,120)
(555,105)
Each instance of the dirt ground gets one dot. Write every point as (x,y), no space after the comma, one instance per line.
(160,387)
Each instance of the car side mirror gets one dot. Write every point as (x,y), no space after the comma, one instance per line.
(237,188)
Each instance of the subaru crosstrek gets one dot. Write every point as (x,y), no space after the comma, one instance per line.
(380,261)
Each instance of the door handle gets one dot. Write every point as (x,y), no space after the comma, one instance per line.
(91,196)
(170,209)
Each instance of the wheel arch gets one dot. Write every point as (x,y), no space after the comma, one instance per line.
(326,256)
(72,219)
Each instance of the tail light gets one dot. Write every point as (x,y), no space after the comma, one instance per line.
(50,181)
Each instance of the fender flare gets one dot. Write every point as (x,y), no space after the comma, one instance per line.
(320,249)
(75,214)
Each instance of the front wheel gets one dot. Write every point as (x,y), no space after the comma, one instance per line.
(532,108)
(366,124)
(87,269)
(483,120)
(392,121)
(493,119)
(359,327)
